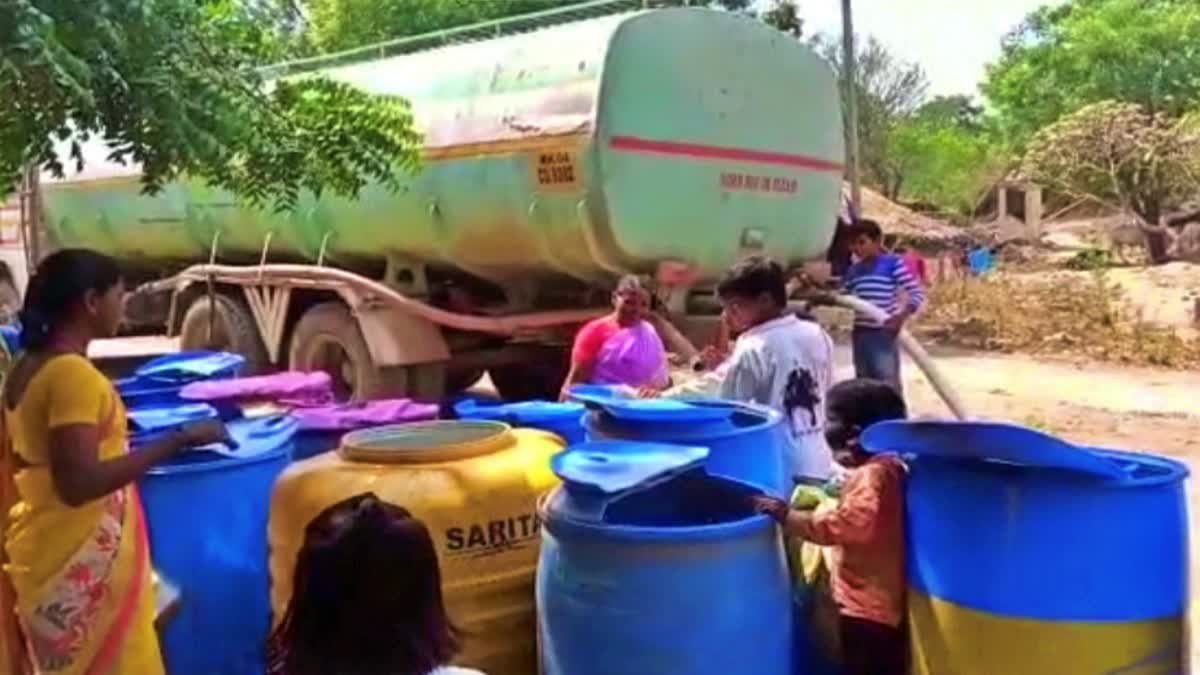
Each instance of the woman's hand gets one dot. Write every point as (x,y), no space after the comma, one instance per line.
(205,432)
(772,506)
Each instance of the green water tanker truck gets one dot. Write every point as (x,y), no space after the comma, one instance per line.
(557,157)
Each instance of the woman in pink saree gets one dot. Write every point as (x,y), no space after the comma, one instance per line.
(622,348)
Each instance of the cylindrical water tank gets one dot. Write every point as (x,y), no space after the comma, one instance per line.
(207,516)
(746,442)
(1031,557)
(651,566)
(475,485)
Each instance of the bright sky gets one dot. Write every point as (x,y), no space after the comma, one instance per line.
(951,39)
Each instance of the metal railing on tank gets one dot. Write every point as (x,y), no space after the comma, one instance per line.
(486,30)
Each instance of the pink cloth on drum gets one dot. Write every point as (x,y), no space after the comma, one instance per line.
(289,388)
(367,414)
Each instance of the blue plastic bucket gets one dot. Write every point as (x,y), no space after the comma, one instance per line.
(563,419)
(208,534)
(650,566)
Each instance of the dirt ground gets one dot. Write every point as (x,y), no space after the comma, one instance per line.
(1163,294)
(1092,404)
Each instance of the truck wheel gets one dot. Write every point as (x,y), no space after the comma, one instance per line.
(233,330)
(532,381)
(459,380)
(327,338)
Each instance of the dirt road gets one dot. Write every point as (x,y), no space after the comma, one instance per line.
(1093,404)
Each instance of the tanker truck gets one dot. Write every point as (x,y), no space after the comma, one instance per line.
(559,153)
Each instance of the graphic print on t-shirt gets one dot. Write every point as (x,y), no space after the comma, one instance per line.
(801,394)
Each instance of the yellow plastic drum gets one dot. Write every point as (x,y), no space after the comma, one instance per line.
(475,485)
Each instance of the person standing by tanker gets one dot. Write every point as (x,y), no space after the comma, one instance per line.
(883,280)
(778,361)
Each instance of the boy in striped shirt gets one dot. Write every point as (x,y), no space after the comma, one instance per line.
(883,280)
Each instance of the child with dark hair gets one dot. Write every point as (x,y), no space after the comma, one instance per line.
(778,361)
(867,527)
(366,598)
(882,279)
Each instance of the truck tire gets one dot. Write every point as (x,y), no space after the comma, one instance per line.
(460,380)
(327,338)
(234,331)
(533,381)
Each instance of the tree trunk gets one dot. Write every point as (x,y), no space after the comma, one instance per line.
(1157,244)
(1158,240)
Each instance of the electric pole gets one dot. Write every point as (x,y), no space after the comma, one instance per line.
(849,70)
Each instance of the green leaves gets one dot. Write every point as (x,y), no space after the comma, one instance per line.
(1140,51)
(888,91)
(331,136)
(947,161)
(171,85)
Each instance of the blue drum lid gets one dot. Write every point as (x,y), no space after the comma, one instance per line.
(253,440)
(623,408)
(159,418)
(988,441)
(137,386)
(524,413)
(585,393)
(597,473)
(191,366)
(254,437)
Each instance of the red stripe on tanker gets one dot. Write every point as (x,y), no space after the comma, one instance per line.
(702,151)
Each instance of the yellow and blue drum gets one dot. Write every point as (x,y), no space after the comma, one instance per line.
(1051,569)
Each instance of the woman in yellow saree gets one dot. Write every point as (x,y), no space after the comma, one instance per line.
(81,599)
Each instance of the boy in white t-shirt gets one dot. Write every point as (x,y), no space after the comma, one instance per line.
(778,361)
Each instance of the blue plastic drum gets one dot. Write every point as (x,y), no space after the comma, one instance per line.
(207,512)
(158,382)
(747,442)
(1030,555)
(648,565)
(563,419)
